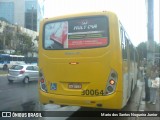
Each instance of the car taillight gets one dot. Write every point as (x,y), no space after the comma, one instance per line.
(42,82)
(21,72)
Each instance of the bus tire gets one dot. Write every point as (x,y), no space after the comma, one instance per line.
(26,80)
(5,67)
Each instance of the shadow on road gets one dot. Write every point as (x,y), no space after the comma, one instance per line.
(29,106)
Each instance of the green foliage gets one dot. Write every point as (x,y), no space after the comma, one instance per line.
(12,38)
(8,38)
(145,47)
(157,48)
(142,50)
(1,41)
(25,43)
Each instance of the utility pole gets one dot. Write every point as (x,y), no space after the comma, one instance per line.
(150,33)
(150,46)
(150,21)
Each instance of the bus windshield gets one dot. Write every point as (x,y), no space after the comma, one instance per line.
(84,32)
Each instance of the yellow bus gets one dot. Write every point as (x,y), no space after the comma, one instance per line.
(86,60)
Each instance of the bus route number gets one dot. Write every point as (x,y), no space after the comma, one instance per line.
(93,92)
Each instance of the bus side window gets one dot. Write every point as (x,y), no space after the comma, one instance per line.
(124,47)
(131,51)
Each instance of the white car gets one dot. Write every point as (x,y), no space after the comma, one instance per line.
(23,73)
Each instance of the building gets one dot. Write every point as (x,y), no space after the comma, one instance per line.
(31,14)
(14,31)
(7,10)
(20,12)
(40,12)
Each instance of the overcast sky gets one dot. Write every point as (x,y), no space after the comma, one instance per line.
(132,13)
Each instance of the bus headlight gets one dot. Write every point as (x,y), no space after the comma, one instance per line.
(42,82)
(112,82)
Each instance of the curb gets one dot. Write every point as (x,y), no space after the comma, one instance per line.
(3,74)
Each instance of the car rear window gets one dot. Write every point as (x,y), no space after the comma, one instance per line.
(17,67)
(85,32)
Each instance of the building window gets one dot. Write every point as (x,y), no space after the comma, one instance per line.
(31,15)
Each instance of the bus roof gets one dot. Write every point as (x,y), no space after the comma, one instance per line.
(79,15)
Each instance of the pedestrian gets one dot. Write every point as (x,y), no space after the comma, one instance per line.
(147,88)
(154,85)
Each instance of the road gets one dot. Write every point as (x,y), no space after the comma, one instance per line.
(24,97)
(17,96)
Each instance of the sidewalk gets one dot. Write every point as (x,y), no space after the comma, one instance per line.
(144,106)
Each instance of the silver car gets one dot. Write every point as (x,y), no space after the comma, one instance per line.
(23,73)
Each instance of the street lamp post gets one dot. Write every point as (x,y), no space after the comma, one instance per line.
(150,29)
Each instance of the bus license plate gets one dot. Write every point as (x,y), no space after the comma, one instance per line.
(74,86)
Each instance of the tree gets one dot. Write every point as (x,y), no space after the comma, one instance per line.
(142,49)
(7,36)
(157,48)
(1,41)
(24,44)
(13,38)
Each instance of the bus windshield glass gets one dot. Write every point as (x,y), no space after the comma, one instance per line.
(83,32)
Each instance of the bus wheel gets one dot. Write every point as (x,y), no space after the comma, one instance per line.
(26,80)
(5,67)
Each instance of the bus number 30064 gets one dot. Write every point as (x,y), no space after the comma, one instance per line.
(93,92)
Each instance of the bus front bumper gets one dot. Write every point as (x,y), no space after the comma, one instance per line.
(113,101)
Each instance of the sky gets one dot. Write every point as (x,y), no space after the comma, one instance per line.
(132,14)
